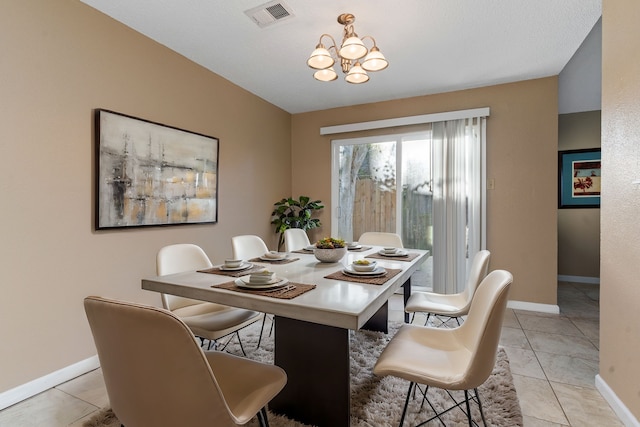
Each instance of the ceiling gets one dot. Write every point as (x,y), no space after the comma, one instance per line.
(432,46)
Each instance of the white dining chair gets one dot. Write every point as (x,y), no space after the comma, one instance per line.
(379,238)
(450,306)
(156,375)
(246,247)
(451,359)
(295,239)
(207,320)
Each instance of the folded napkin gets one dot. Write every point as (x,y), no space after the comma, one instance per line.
(261,277)
(275,255)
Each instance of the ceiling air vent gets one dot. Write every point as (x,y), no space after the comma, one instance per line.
(269,13)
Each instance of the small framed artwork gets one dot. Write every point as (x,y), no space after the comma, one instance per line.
(579,173)
(149,174)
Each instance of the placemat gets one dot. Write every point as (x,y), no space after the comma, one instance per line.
(233,273)
(362,249)
(302,251)
(409,257)
(379,280)
(300,288)
(275,261)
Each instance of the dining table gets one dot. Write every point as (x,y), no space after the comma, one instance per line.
(313,317)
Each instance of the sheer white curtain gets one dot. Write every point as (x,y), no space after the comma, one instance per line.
(458,205)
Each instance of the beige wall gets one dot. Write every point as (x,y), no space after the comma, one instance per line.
(60,60)
(522,146)
(579,229)
(620,242)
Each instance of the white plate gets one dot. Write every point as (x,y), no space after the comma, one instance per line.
(399,253)
(379,271)
(276,283)
(266,258)
(351,248)
(242,266)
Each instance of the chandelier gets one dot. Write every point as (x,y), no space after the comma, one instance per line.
(351,52)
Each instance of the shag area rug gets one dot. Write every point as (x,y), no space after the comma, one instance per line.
(378,401)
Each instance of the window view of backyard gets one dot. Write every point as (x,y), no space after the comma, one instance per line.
(386,186)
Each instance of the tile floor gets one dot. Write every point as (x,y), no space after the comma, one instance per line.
(554,360)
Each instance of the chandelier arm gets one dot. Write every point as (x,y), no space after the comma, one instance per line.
(332,41)
(372,39)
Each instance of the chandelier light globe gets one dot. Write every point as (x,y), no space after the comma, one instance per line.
(352,48)
(326,75)
(320,58)
(375,60)
(354,57)
(357,75)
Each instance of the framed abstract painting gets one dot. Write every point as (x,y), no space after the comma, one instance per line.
(150,174)
(579,175)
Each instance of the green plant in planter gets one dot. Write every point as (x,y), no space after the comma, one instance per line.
(291,213)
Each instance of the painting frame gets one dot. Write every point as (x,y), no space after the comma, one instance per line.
(579,178)
(149,174)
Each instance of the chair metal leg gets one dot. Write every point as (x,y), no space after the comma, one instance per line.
(484,422)
(466,401)
(240,342)
(427,321)
(235,334)
(264,319)
(263,420)
(406,403)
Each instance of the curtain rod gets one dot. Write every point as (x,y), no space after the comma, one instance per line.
(405,121)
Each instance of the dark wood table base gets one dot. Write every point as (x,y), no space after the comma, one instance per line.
(316,360)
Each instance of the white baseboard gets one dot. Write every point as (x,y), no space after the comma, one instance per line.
(616,404)
(579,279)
(532,306)
(25,391)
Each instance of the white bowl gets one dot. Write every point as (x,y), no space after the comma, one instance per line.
(329,255)
(352,244)
(364,267)
(390,250)
(232,263)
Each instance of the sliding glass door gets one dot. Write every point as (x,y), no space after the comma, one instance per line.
(383,184)
(428,187)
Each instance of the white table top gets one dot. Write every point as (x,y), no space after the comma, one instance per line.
(337,303)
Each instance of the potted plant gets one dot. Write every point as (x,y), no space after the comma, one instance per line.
(330,249)
(291,213)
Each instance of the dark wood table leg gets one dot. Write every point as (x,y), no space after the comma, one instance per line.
(406,294)
(379,321)
(316,360)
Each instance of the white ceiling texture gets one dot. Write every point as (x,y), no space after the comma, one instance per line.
(432,46)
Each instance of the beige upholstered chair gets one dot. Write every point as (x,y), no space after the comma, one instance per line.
(381,239)
(156,375)
(450,306)
(295,239)
(246,247)
(207,320)
(460,358)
